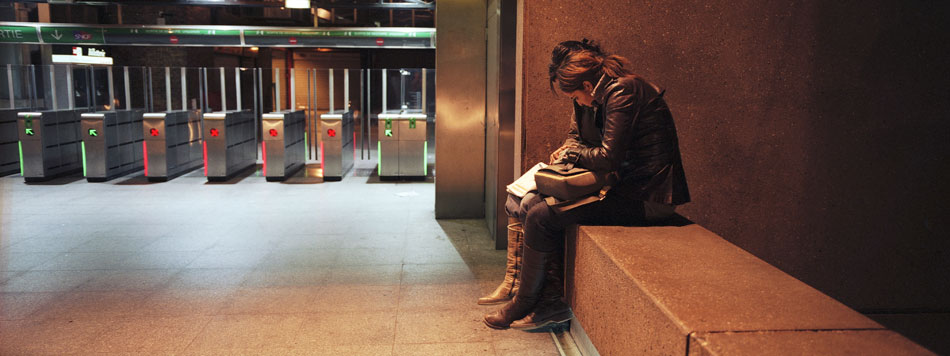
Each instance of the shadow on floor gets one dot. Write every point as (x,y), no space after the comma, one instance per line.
(239,176)
(58,180)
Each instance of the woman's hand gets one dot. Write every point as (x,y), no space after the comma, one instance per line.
(556,156)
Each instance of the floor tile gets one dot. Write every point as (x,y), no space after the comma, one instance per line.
(297,277)
(149,334)
(355,328)
(420,327)
(247,332)
(208,278)
(355,298)
(437,274)
(73,305)
(47,281)
(365,275)
(269,301)
(431,297)
(29,337)
(129,280)
(438,349)
(175,302)
(15,306)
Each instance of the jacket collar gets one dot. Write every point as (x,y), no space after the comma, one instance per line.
(600,88)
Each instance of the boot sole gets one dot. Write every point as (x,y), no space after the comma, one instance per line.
(556,319)
(494,302)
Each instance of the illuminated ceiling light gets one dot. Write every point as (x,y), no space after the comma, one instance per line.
(297,4)
(323,14)
(254,49)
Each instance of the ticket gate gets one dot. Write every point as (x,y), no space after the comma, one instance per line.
(230,144)
(111,144)
(283,147)
(337,142)
(9,143)
(402,144)
(49,143)
(172,144)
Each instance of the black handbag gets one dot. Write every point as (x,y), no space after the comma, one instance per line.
(568,186)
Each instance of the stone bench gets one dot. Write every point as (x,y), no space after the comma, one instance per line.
(683,290)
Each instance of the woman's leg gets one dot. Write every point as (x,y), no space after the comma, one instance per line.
(509,285)
(544,240)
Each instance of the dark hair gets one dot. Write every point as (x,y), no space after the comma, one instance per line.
(574,62)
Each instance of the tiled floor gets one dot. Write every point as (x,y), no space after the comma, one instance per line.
(187,267)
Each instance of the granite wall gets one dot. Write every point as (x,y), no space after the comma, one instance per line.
(814,133)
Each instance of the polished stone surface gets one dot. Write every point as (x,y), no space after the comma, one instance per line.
(191,268)
(676,281)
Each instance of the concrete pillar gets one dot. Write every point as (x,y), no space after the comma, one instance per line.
(460,112)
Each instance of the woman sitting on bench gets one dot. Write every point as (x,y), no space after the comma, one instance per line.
(620,124)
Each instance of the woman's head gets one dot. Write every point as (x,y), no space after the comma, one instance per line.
(576,66)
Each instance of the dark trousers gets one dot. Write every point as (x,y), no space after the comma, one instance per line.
(544,226)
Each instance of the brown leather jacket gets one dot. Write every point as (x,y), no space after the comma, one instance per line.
(630,131)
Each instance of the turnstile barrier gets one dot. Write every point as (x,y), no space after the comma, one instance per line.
(9,143)
(49,143)
(337,142)
(402,145)
(283,146)
(111,144)
(172,144)
(230,144)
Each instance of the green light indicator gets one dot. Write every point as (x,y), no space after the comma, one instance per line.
(93,133)
(425,158)
(389,123)
(20,145)
(83,143)
(306,147)
(28,123)
(379,159)
(412,122)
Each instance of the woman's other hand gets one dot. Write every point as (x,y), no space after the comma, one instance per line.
(556,156)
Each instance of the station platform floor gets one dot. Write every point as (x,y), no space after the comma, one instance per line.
(187,267)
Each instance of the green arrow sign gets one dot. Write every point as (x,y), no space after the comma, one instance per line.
(29,132)
(18,34)
(81,35)
(389,132)
(93,133)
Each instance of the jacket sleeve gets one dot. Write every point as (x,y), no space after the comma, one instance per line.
(619,117)
(573,135)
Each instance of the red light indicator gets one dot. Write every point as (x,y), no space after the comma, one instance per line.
(153,132)
(173,39)
(273,132)
(214,132)
(292,40)
(379,41)
(331,132)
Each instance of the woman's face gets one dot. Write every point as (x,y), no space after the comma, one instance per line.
(582,96)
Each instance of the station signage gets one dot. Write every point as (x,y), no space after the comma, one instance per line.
(18,34)
(173,36)
(75,35)
(22,32)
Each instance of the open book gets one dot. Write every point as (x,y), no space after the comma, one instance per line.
(525,183)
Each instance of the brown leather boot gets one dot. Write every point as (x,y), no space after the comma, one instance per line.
(509,286)
(532,279)
(551,308)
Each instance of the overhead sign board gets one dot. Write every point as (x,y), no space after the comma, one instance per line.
(18,34)
(73,35)
(180,36)
(24,32)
